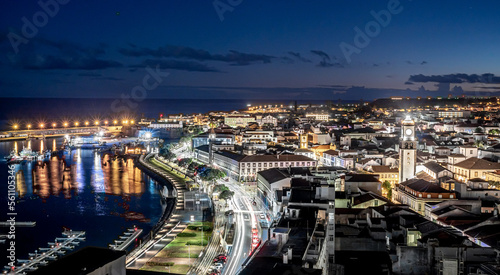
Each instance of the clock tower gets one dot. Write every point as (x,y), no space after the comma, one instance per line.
(407,150)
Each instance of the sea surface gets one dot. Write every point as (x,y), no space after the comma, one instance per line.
(80,190)
(56,110)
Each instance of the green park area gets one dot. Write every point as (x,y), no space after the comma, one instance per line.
(178,256)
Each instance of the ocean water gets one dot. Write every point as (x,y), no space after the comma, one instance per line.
(97,194)
(34,110)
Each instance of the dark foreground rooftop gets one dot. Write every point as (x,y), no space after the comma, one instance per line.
(83,261)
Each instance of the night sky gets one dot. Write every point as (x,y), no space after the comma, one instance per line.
(249,49)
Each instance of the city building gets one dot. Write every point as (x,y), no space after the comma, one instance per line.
(407,150)
(238,120)
(417,192)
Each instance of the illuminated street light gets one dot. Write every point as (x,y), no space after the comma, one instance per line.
(15,126)
(131,122)
(54,125)
(65,124)
(115,122)
(96,122)
(41,125)
(86,123)
(76,123)
(29,126)
(106,122)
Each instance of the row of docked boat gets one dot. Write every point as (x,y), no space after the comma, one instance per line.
(27,155)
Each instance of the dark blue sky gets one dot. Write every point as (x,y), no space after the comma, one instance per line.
(253,49)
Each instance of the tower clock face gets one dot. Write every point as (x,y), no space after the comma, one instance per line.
(408,132)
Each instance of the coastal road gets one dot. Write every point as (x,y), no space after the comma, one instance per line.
(245,219)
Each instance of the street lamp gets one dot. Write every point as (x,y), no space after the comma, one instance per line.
(54,125)
(41,125)
(189,251)
(115,122)
(15,126)
(29,126)
(86,123)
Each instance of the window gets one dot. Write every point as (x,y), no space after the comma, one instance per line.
(440,196)
(428,196)
(451,196)
(265,164)
(475,174)
(419,195)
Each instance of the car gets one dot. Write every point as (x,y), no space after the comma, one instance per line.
(262,217)
(220,255)
(220,260)
(217,266)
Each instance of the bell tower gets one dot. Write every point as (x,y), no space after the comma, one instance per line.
(407,150)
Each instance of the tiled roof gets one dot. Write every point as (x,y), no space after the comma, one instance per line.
(384,169)
(479,164)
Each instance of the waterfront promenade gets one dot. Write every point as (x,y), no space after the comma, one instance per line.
(154,254)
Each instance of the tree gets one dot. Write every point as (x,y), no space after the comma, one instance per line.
(478,130)
(166,152)
(495,184)
(479,144)
(494,132)
(185,162)
(219,188)
(386,185)
(226,195)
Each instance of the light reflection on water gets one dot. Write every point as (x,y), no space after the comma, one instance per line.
(81,190)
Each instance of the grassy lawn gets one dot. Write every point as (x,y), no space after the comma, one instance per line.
(175,174)
(176,269)
(178,248)
(178,251)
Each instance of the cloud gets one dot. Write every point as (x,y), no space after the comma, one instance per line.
(299,57)
(287,60)
(409,62)
(423,62)
(457,78)
(409,83)
(108,78)
(457,89)
(50,62)
(375,65)
(443,87)
(189,66)
(326,61)
(45,54)
(182,52)
(89,74)
(486,87)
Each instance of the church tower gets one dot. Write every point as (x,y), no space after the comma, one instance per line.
(303,141)
(407,150)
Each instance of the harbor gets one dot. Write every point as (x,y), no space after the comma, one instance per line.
(44,255)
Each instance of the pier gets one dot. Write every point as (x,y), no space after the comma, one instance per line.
(18,224)
(128,237)
(57,248)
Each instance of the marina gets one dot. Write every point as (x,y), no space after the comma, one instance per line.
(126,239)
(61,246)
